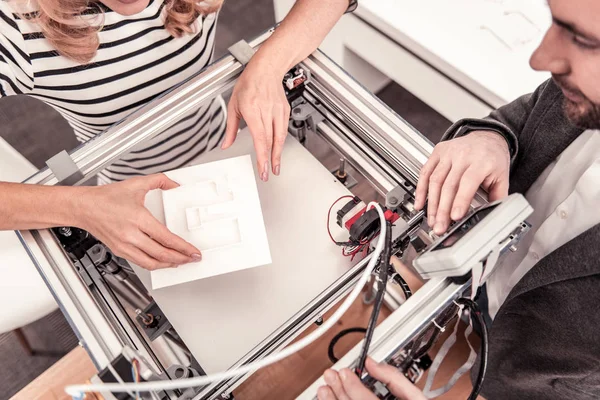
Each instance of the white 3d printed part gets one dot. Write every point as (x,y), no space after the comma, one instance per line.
(212,221)
(217,209)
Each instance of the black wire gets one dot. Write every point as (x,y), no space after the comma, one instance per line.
(384,264)
(403,285)
(421,351)
(434,333)
(336,338)
(331,349)
(483,353)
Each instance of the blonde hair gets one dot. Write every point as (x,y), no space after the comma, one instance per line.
(72,27)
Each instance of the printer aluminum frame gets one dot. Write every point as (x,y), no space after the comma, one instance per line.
(374,140)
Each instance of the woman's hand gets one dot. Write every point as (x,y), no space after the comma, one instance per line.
(115,215)
(345,385)
(456,169)
(258,97)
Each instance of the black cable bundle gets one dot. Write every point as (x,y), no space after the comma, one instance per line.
(384,266)
(336,338)
(483,353)
(399,280)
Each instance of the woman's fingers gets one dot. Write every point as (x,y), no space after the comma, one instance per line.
(280,126)
(257,130)
(159,181)
(138,257)
(267,132)
(233,123)
(161,234)
(160,252)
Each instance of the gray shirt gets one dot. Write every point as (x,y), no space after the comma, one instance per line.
(545,338)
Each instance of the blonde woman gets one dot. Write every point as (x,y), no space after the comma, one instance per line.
(95,61)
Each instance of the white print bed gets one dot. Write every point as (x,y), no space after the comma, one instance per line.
(224,317)
(217,209)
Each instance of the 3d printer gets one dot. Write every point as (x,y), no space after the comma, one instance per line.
(231,321)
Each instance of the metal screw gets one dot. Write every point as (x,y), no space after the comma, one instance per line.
(65,231)
(393,200)
(319,321)
(513,248)
(341,172)
(143,317)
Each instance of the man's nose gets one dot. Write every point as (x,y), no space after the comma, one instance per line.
(550,55)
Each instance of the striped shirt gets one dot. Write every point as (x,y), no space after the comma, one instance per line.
(137,61)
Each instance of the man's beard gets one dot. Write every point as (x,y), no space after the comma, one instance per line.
(584,113)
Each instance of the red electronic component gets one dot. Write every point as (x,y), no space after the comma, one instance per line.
(391,216)
(360,223)
(354,218)
(299,81)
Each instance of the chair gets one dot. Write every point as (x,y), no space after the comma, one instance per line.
(24,296)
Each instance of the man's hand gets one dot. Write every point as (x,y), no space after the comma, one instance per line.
(345,385)
(456,169)
(115,215)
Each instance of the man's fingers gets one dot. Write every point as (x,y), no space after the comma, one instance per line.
(423,182)
(394,380)
(498,190)
(280,133)
(332,378)
(354,387)
(233,124)
(157,231)
(469,184)
(436,180)
(447,195)
(325,393)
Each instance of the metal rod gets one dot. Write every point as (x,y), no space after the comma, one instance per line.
(151,119)
(123,292)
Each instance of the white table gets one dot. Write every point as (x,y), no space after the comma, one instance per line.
(24,296)
(461,57)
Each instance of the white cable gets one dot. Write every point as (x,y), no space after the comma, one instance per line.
(76,390)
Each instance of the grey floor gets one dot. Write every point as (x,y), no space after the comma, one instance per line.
(39,132)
